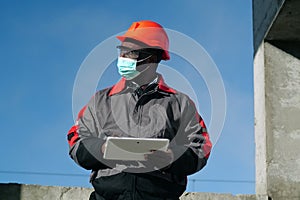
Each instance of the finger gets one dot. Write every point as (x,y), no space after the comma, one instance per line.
(146,156)
(160,154)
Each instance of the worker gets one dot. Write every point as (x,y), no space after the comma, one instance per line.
(140,105)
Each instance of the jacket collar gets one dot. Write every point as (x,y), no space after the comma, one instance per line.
(121,85)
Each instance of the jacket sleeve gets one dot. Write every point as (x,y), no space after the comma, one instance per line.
(84,141)
(191,145)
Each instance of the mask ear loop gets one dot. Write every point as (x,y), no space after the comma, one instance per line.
(146,68)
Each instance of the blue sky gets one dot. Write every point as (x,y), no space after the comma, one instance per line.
(44,43)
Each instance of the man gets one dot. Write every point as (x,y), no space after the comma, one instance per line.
(140,105)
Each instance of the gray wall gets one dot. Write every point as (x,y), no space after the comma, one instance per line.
(283,123)
(36,192)
(277,98)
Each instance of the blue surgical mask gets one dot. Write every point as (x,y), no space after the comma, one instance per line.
(127,68)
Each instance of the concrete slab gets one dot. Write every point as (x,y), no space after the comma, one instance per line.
(37,192)
(287,24)
(264,14)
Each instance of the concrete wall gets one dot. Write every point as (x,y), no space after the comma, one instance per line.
(260,122)
(277,98)
(264,13)
(282,85)
(36,192)
(277,127)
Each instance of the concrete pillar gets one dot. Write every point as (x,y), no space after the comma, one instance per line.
(282,86)
(277,98)
(260,122)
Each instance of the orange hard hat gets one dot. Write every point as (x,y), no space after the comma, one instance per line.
(150,33)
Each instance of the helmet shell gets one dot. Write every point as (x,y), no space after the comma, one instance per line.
(150,33)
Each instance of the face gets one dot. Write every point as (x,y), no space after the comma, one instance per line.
(139,52)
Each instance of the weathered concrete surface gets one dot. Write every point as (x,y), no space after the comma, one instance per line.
(285,31)
(277,20)
(282,90)
(264,13)
(287,24)
(276,26)
(36,192)
(277,127)
(260,122)
(213,196)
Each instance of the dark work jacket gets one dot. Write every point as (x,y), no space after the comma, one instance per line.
(154,111)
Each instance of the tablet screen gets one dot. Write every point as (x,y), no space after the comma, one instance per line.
(127,148)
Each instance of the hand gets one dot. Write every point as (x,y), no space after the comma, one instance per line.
(103,147)
(160,159)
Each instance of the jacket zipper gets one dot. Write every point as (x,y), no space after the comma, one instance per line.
(140,111)
(140,120)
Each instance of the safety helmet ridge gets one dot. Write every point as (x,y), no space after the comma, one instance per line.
(150,33)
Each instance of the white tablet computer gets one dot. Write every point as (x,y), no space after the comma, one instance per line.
(128,148)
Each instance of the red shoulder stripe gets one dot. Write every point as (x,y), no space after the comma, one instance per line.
(117,87)
(164,87)
(81,112)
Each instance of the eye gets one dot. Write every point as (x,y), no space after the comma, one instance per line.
(132,54)
(127,52)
